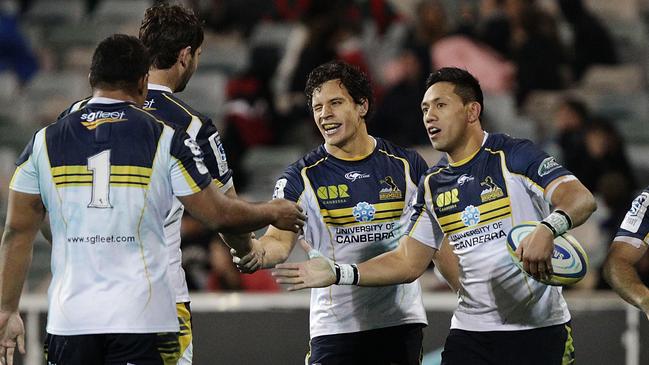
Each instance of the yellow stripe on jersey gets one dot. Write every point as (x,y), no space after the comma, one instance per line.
(190,180)
(484,218)
(484,208)
(489,212)
(347,212)
(79,175)
(378,217)
(96,123)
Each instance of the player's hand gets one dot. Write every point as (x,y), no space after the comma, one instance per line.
(317,272)
(253,260)
(535,251)
(12,335)
(288,215)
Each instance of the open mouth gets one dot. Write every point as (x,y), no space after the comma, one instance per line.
(331,128)
(432,131)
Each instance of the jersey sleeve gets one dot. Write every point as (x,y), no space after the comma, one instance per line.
(525,158)
(289,186)
(423,223)
(188,172)
(25,178)
(215,159)
(634,229)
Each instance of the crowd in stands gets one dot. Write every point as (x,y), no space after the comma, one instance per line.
(550,70)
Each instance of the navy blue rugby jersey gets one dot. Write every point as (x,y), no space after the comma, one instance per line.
(357,210)
(474,203)
(634,229)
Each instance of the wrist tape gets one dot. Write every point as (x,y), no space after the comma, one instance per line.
(558,222)
(346,274)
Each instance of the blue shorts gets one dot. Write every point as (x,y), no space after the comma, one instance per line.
(113,349)
(540,346)
(389,345)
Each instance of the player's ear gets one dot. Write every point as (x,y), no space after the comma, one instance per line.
(184,56)
(473,111)
(364,106)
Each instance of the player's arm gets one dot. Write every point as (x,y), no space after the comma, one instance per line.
(573,204)
(620,273)
(236,216)
(403,265)
(25,213)
(448,265)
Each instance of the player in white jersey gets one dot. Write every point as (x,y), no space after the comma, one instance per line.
(355,190)
(106,174)
(628,247)
(467,203)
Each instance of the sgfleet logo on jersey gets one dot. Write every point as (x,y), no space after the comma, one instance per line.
(491,191)
(448,199)
(95,119)
(333,193)
(148,105)
(355,175)
(390,189)
(364,212)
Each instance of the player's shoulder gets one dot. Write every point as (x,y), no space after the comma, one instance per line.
(393,149)
(309,160)
(506,143)
(74,107)
(172,105)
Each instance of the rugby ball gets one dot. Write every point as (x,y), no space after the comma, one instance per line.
(569,260)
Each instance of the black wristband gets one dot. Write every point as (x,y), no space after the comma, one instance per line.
(337,268)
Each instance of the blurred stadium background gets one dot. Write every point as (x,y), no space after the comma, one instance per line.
(571,78)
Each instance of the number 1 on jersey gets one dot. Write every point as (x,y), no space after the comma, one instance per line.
(99,164)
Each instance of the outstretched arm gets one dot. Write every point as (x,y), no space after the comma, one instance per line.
(620,273)
(403,265)
(230,215)
(276,245)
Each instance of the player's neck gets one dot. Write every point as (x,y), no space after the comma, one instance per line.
(466,150)
(163,77)
(356,149)
(116,94)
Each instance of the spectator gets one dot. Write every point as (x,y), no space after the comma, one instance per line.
(592,43)
(15,53)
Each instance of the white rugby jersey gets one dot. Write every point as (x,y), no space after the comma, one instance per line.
(164,105)
(355,211)
(107,174)
(475,203)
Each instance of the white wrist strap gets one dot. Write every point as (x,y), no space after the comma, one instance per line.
(558,222)
(347,274)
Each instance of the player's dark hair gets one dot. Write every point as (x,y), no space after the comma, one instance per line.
(119,62)
(166,30)
(467,87)
(355,81)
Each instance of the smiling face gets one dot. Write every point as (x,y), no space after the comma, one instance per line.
(447,118)
(339,119)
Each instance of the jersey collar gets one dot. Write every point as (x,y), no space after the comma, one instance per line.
(104,100)
(160,88)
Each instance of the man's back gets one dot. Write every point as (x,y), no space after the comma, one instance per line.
(107,174)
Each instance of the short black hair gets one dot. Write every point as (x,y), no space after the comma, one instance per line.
(355,81)
(119,62)
(467,87)
(167,29)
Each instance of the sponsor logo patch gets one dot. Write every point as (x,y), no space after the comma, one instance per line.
(547,166)
(355,175)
